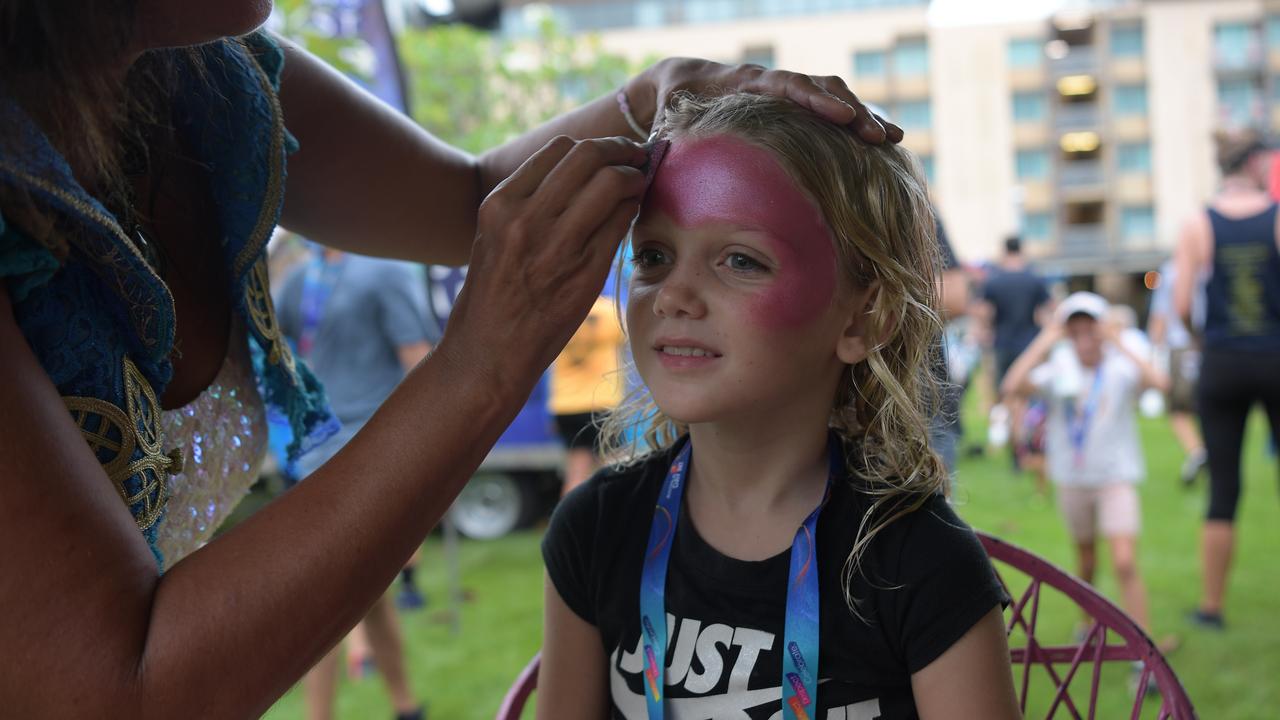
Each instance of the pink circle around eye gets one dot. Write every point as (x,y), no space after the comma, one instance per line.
(724,179)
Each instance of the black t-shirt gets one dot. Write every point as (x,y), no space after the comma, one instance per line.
(1015,294)
(926,580)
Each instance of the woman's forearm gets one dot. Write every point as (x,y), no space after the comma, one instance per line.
(321,554)
(601,117)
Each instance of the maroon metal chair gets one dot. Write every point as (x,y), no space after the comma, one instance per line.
(1131,645)
(1062,663)
(518,694)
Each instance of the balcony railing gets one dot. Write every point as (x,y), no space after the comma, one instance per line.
(1079,60)
(1087,240)
(1080,173)
(1076,116)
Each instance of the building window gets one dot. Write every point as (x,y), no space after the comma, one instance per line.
(1126,41)
(1239,102)
(868,63)
(1032,164)
(1037,226)
(761,55)
(1130,100)
(698,11)
(1026,52)
(1137,223)
(1134,157)
(650,13)
(911,58)
(1235,45)
(1029,106)
(926,164)
(913,114)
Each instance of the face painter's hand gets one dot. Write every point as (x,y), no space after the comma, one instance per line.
(826,95)
(546,238)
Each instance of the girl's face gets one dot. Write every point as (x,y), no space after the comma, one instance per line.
(169,23)
(735,304)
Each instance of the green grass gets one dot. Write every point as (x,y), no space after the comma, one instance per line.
(1234,674)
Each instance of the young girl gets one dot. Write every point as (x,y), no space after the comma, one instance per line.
(781,317)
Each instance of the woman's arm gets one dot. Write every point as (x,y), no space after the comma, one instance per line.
(572,681)
(369,180)
(971,679)
(1190,257)
(230,628)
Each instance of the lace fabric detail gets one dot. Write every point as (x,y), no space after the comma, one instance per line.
(223,438)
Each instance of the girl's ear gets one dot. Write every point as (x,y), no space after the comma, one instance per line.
(854,345)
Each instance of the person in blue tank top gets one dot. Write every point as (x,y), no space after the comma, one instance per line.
(143,148)
(1234,245)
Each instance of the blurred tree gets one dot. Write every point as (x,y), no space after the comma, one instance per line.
(471,88)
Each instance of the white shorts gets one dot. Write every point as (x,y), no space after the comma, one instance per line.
(1112,510)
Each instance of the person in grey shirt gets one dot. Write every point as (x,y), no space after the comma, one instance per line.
(361,323)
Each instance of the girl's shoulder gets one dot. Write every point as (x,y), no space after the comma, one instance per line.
(615,492)
(926,577)
(911,525)
(600,521)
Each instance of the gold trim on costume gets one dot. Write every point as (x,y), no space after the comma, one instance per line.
(120,432)
(257,299)
(275,178)
(257,287)
(103,257)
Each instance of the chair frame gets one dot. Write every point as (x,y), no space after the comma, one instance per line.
(1135,646)
(1024,613)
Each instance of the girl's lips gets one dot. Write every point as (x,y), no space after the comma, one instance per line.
(685,357)
(683,346)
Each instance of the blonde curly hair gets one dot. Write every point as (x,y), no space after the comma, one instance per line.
(874,199)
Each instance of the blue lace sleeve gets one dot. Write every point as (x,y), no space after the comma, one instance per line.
(24,263)
(266,51)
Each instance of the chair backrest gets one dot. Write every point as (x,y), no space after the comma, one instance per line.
(1095,649)
(1062,663)
(521,689)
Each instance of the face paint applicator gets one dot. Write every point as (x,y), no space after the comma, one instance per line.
(656,149)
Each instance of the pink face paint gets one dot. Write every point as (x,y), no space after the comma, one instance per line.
(726,180)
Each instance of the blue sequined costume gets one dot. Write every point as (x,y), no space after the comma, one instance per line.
(101,321)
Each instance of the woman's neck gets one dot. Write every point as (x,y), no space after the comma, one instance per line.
(1240,185)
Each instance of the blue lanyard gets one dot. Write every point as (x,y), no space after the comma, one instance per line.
(317,285)
(1078,423)
(800,635)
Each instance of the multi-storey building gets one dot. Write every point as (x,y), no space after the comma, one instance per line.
(1089,133)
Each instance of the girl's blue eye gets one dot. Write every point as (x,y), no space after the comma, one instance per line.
(648,257)
(742,263)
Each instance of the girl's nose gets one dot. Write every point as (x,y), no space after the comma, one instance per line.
(680,295)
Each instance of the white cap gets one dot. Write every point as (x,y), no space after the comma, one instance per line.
(1091,304)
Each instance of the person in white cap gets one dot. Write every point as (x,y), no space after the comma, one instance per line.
(1091,384)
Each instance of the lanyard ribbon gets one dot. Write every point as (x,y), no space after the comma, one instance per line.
(317,285)
(800,635)
(1078,422)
